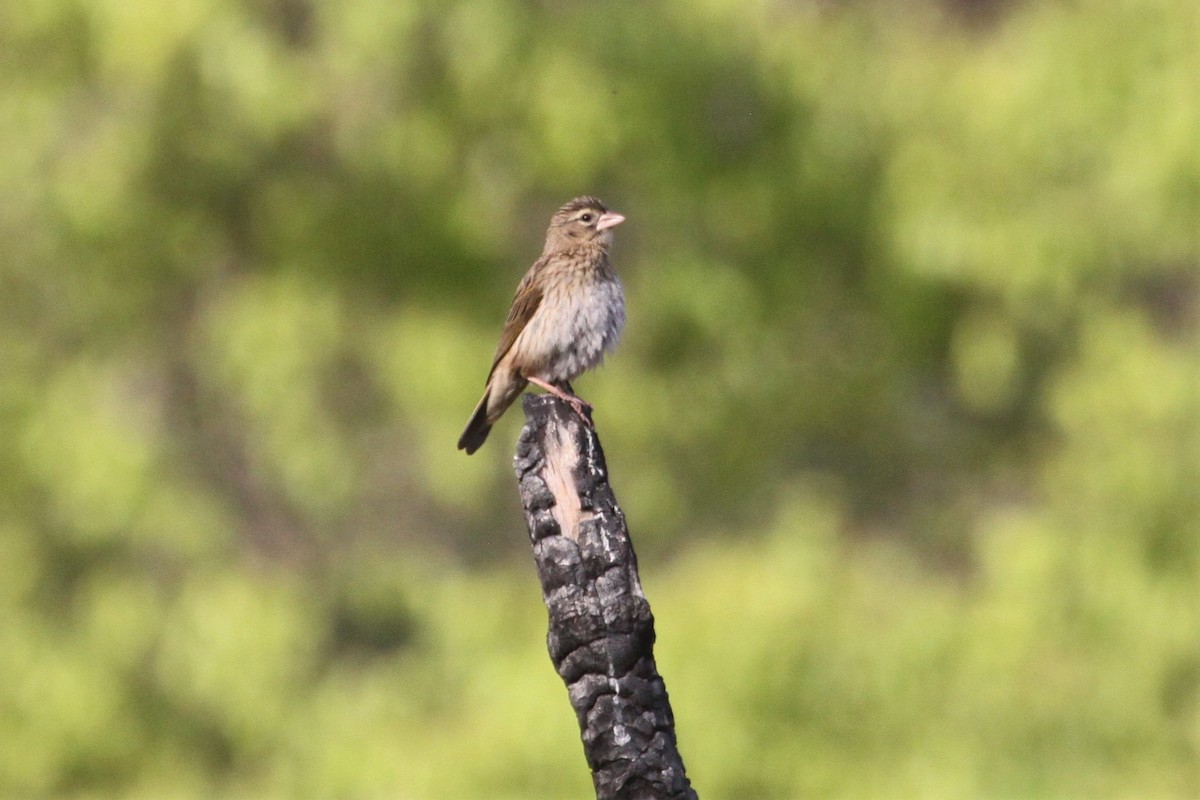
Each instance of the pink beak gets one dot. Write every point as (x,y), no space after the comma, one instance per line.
(609,219)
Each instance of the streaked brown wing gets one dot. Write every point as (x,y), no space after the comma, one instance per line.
(525,303)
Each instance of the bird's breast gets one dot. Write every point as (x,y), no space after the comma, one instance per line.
(578,321)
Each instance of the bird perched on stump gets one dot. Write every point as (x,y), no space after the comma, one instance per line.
(568,312)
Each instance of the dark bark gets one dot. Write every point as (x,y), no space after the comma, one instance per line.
(601,636)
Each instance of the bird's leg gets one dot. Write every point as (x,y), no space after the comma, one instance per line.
(567,395)
(566,387)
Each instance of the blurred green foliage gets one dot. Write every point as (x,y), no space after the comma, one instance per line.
(906,421)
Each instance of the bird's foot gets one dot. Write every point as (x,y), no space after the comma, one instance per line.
(582,407)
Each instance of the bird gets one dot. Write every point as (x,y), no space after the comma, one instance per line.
(567,314)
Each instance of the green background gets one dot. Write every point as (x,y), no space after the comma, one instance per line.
(906,420)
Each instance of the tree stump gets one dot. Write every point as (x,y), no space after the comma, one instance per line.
(601,631)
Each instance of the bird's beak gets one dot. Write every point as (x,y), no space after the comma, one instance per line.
(609,219)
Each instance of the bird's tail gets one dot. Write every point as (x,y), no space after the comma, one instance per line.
(502,389)
(477,429)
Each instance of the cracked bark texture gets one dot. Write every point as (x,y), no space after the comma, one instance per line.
(601,632)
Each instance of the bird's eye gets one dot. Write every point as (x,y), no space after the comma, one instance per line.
(587,218)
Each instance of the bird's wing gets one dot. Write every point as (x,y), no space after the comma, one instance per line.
(525,303)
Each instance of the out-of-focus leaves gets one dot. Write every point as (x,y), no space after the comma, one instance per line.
(905,420)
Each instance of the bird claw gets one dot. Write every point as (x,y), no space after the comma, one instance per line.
(581,407)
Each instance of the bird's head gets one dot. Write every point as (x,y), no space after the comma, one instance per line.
(582,221)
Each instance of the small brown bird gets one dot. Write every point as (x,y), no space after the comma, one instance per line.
(568,312)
